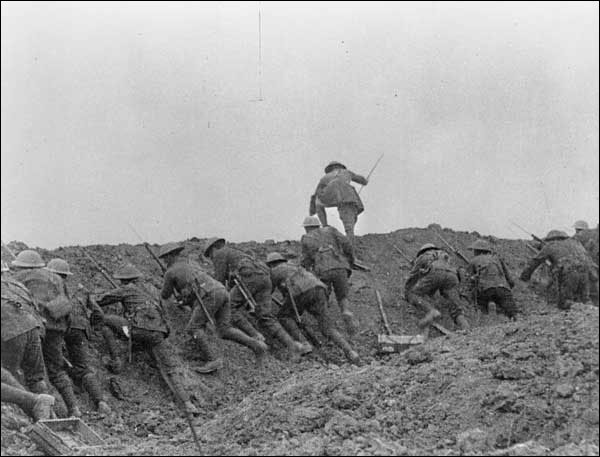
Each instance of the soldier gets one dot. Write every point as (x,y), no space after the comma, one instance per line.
(77,342)
(187,278)
(570,267)
(330,256)
(334,190)
(234,265)
(491,280)
(309,294)
(589,239)
(48,291)
(433,272)
(144,323)
(37,406)
(22,328)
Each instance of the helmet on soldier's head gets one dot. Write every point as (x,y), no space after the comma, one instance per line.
(170,248)
(426,247)
(212,243)
(481,245)
(127,272)
(556,235)
(332,165)
(28,259)
(581,225)
(274,257)
(59,266)
(5,267)
(311,221)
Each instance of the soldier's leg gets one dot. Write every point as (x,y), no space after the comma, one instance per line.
(566,289)
(339,280)
(24,354)
(239,318)
(37,406)
(504,298)
(348,216)
(53,357)
(321,213)
(593,285)
(116,364)
(448,287)
(420,296)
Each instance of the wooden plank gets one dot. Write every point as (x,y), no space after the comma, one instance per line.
(398,343)
(383,315)
(64,436)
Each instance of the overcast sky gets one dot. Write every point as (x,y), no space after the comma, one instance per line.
(147,114)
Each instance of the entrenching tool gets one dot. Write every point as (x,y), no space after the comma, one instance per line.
(388,342)
(371,172)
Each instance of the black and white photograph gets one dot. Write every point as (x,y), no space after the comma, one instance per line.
(300,228)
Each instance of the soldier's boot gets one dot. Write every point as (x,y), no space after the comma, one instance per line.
(115,365)
(431,316)
(322,214)
(350,322)
(92,386)
(43,407)
(66,392)
(462,322)
(213,363)
(295,348)
(292,329)
(241,322)
(259,348)
(339,340)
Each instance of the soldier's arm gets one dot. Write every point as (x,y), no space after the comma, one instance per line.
(533,264)
(359,179)
(110,297)
(507,274)
(167,288)
(345,244)
(221,268)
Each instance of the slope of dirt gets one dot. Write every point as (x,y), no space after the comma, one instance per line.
(503,383)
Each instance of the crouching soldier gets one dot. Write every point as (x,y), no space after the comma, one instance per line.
(143,323)
(570,267)
(77,342)
(491,280)
(233,265)
(303,290)
(48,291)
(209,301)
(433,272)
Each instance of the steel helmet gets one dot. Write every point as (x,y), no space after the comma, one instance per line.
(581,225)
(127,272)
(5,267)
(169,248)
(556,235)
(331,165)
(59,266)
(28,259)
(426,247)
(481,245)
(274,257)
(211,243)
(311,221)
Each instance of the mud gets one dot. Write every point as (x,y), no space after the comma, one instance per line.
(506,388)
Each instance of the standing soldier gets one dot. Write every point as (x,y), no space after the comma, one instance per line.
(77,342)
(589,238)
(330,256)
(48,291)
(144,323)
(334,190)
(187,278)
(491,280)
(22,327)
(254,276)
(432,271)
(308,294)
(570,267)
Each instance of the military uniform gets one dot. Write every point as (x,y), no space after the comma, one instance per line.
(492,282)
(37,406)
(22,327)
(589,239)
(187,278)
(48,291)
(433,272)
(570,269)
(147,326)
(309,295)
(334,190)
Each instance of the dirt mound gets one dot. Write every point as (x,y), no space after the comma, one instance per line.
(533,382)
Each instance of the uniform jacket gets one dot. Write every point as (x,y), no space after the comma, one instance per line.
(182,276)
(326,249)
(140,308)
(568,253)
(298,278)
(589,240)
(433,259)
(50,295)
(19,313)
(228,261)
(489,271)
(334,189)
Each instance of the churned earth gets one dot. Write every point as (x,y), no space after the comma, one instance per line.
(506,388)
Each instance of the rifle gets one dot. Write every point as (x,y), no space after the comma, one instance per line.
(455,251)
(402,254)
(536,238)
(149,249)
(100,268)
(372,169)
(309,335)
(245,293)
(195,287)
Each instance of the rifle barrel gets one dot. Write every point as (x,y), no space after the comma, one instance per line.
(371,172)
(99,267)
